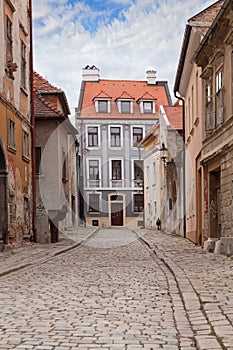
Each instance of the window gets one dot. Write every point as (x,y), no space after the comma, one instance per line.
(103,106)
(137,135)
(94,199)
(9,41)
(116,170)
(138,172)
(209,107)
(25,144)
(115,134)
(219,97)
(64,166)
(148,107)
(93,170)
(125,106)
(38,160)
(11,133)
(93,139)
(138,203)
(23,65)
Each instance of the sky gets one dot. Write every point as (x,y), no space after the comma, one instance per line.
(123,38)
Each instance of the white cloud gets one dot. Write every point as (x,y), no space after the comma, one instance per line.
(149,37)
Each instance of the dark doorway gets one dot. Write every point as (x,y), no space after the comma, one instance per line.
(116,214)
(214,204)
(3,197)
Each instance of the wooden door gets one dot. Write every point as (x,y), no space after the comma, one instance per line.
(117,214)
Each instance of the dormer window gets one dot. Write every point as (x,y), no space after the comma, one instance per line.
(125,106)
(102,105)
(148,107)
(147,104)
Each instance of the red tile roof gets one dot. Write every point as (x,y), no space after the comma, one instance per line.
(47,98)
(118,88)
(174,115)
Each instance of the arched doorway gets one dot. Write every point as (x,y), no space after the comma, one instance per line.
(3,197)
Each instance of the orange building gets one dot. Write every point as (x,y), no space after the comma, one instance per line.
(15,123)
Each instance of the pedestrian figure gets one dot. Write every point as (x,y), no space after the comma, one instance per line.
(158,223)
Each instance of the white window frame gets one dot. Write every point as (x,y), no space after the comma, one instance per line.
(143,133)
(93,126)
(132,171)
(141,102)
(108,100)
(109,136)
(88,203)
(110,171)
(120,100)
(88,172)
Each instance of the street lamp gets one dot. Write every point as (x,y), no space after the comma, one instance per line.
(164,153)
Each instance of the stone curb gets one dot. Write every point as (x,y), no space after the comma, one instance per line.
(42,257)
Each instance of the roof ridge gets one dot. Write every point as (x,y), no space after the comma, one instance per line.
(44,81)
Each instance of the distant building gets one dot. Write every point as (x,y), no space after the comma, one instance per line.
(112,118)
(56,162)
(189,85)
(16,203)
(214,56)
(163,175)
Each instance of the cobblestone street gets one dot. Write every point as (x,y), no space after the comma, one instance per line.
(116,291)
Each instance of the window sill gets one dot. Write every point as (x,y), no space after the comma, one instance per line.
(26,159)
(12,149)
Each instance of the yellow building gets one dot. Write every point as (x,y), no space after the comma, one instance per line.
(15,122)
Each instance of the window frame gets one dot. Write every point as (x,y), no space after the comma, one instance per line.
(120,145)
(23,64)
(26,152)
(95,145)
(129,101)
(9,39)
(90,208)
(11,134)
(98,102)
(143,110)
(138,207)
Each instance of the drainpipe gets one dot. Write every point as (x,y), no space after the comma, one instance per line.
(184,163)
(33,136)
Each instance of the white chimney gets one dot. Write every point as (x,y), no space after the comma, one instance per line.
(91,73)
(151,77)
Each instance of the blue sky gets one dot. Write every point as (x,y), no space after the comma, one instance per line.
(123,38)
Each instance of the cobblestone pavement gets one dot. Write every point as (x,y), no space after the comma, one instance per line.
(115,292)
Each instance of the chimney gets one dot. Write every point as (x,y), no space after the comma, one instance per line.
(151,77)
(91,73)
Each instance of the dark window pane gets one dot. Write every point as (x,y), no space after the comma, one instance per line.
(115,137)
(125,106)
(116,170)
(102,106)
(94,203)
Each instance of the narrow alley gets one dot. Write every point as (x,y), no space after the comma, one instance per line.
(119,290)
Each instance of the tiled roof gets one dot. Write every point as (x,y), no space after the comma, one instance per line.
(204,19)
(116,88)
(125,94)
(147,96)
(41,84)
(44,108)
(103,94)
(174,115)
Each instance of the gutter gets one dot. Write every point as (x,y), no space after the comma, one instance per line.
(33,134)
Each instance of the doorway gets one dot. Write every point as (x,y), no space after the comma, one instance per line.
(116,214)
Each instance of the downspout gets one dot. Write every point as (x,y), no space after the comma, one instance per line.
(33,135)
(184,162)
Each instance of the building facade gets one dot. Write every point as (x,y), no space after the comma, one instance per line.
(188,84)
(214,56)
(163,171)
(16,204)
(56,162)
(112,118)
